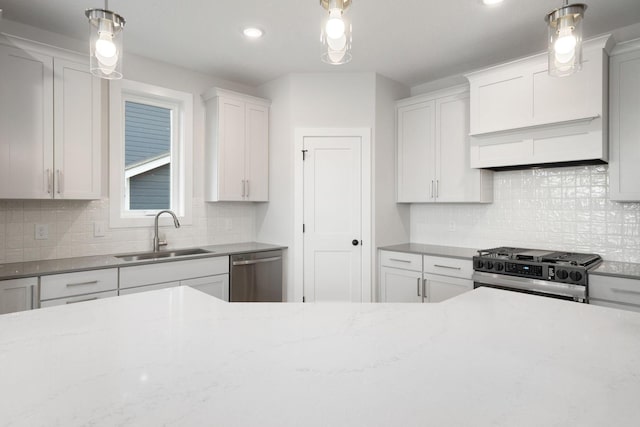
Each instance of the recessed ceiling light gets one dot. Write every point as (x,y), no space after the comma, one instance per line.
(253,33)
(491,2)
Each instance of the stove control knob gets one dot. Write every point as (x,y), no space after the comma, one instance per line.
(575,276)
(479,263)
(490,265)
(499,266)
(562,274)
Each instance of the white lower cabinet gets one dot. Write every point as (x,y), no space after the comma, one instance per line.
(209,275)
(68,288)
(616,292)
(216,286)
(18,295)
(148,288)
(398,285)
(440,288)
(77,299)
(431,279)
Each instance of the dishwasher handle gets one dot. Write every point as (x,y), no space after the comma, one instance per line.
(256,261)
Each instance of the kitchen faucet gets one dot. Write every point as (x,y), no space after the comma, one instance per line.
(156,239)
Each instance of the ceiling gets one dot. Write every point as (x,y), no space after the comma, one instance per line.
(410,41)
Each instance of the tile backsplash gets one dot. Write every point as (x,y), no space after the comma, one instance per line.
(557,208)
(71,229)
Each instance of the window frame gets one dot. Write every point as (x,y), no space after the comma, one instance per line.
(181,106)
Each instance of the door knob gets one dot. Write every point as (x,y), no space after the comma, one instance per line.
(355,242)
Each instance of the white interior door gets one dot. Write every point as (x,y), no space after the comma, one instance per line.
(332,216)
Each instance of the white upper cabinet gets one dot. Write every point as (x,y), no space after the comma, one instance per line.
(522,116)
(433,151)
(49,124)
(237,147)
(624,173)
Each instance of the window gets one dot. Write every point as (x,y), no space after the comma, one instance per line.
(150,153)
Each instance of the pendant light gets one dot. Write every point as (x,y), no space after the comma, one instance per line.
(565,39)
(105,42)
(336,33)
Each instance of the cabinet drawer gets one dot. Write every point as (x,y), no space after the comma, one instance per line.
(615,289)
(454,267)
(82,298)
(80,283)
(148,288)
(162,272)
(401,260)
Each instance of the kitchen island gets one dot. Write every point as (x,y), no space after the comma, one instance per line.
(180,357)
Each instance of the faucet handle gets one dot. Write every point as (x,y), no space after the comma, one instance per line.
(162,243)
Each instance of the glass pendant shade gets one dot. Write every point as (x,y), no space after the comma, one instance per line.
(105,43)
(565,39)
(335,35)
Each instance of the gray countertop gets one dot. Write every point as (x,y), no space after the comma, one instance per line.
(66,265)
(618,269)
(446,251)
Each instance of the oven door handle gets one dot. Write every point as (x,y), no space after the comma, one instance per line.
(532,285)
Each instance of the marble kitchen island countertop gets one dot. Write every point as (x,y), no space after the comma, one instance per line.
(180,357)
(435,250)
(626,270)
(66,265)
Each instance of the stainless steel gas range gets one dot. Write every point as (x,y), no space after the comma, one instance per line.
(562,275)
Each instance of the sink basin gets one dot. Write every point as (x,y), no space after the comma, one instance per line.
(161,255)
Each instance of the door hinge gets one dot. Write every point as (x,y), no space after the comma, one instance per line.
(304,155)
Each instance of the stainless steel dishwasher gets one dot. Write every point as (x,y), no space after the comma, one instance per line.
(256,277)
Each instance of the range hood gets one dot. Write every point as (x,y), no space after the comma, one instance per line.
(521,117)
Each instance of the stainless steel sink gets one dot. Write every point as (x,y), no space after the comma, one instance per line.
(162,254)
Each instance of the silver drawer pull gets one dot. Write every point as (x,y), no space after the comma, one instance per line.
(81,300)
(93,282)
(399,260)
(418,286)
(446,266)
(625,291)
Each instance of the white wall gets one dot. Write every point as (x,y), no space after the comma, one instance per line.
(561,208)
(336,100)
(71,222)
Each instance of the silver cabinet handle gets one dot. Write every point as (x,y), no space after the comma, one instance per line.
(432,189)
(243,187)
(400,260)
(247,184)
(49,188)
(625,291)
(437,188)
(418,286)
(93,282)
(256,261)
(58,180)
(424,290)
(81,300)
(446,266)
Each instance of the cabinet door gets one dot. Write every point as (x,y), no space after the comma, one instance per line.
(440,288)
(148,288)
(257,153)
(416,152)
(18,294)
(74,300)
(217,286)
(573,97)
(77,131)
(455,180)
(624,173)
(501,100)
(26,124)
(231,128)
(400,285)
